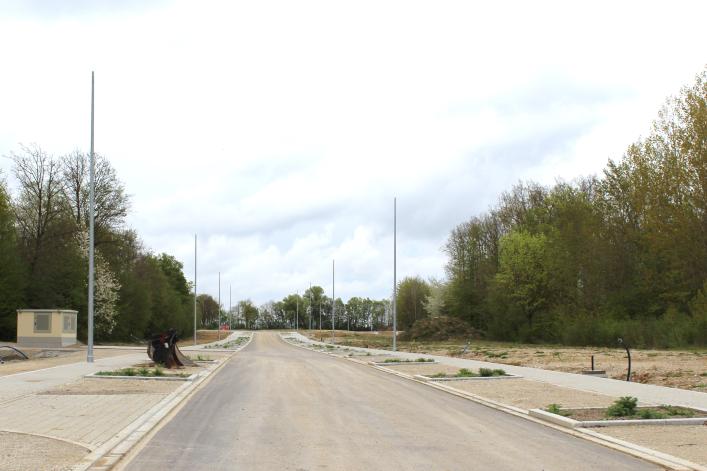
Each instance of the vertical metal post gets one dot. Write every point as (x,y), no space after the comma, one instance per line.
(230,312)
(333,304)
(218,318)
(395,272)
(297,312)
(195,295)
(91,210)
(311,308)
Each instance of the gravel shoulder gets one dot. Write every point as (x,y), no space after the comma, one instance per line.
(18,452)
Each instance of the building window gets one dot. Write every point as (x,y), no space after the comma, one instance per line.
(69,323)
(42,322)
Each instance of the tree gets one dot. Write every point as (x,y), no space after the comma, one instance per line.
(11,271)
(111,202)
(412,292)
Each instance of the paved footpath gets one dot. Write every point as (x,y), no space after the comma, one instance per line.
(646,393)
(276,406)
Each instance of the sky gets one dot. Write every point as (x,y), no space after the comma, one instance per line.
(280,132)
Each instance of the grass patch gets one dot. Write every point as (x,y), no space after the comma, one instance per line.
(142,372)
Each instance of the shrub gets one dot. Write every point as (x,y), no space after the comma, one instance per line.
(485,371)
(499,372)
(158,371)
(623,407)
(650,414)
(465,373)
(554,409)
(143,372)
(439,328)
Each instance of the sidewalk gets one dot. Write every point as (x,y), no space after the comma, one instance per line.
(646,393)
(18,385)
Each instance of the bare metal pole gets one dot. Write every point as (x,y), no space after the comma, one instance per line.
(91,206)
(218,319)
(195,289)
(297,313)
(395,272)
(311,308)
(333,304)
(230,313)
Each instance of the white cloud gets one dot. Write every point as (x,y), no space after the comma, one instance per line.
(280,131)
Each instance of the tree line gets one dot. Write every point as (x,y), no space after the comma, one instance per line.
(623,254)
(312,309)
(44,251)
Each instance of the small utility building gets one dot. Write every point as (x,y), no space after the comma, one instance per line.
(46,328)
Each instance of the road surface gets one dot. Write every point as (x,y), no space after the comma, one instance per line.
(278,407)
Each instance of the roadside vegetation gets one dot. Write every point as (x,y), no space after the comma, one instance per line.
(625,408)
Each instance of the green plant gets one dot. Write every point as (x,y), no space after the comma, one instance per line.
(554,409)
(499,372)
(650,414)
(143,372)
(485,372)
(623,407)
(465,373)
(439,375)
(673,411)
(158,371)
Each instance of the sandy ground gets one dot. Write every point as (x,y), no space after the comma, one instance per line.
(673,368)
(18,452)
(685,441)
(63,358)
(95,386)
(528,394)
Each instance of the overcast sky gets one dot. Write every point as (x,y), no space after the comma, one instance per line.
(281,131)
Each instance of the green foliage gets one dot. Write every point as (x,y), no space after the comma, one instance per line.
(439,328)
(554,409)
(650,414)
(411,296)
(12,271)
(623,407)
(623,255)
(465,373)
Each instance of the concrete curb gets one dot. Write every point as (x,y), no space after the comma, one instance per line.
(191,377)
(572,423)
(106,456)
(466,378)
(398,363)
(646,454)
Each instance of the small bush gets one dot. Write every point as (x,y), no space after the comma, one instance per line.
(424,360)
(650,414)
(486,372)
(465,373)
(623,407)
(554,409)
(439,328)
(143,372)
(158,371)
(499,372)
(674,411)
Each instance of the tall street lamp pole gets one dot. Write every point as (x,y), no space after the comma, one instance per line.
(333,304)
(395,268)
(218,318)
(92,208)
(195,289)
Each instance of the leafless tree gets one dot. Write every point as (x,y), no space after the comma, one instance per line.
(111,202)
(41,201)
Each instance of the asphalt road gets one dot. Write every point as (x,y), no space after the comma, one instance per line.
(278,407)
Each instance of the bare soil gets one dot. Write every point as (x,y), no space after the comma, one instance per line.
(684,369)
(22,452)
(90,387)
(685,441)
(528,394)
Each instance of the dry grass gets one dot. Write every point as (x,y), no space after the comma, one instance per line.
(685,369)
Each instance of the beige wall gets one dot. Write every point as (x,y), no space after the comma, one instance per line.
(55,337)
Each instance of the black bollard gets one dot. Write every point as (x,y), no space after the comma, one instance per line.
(628,352)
